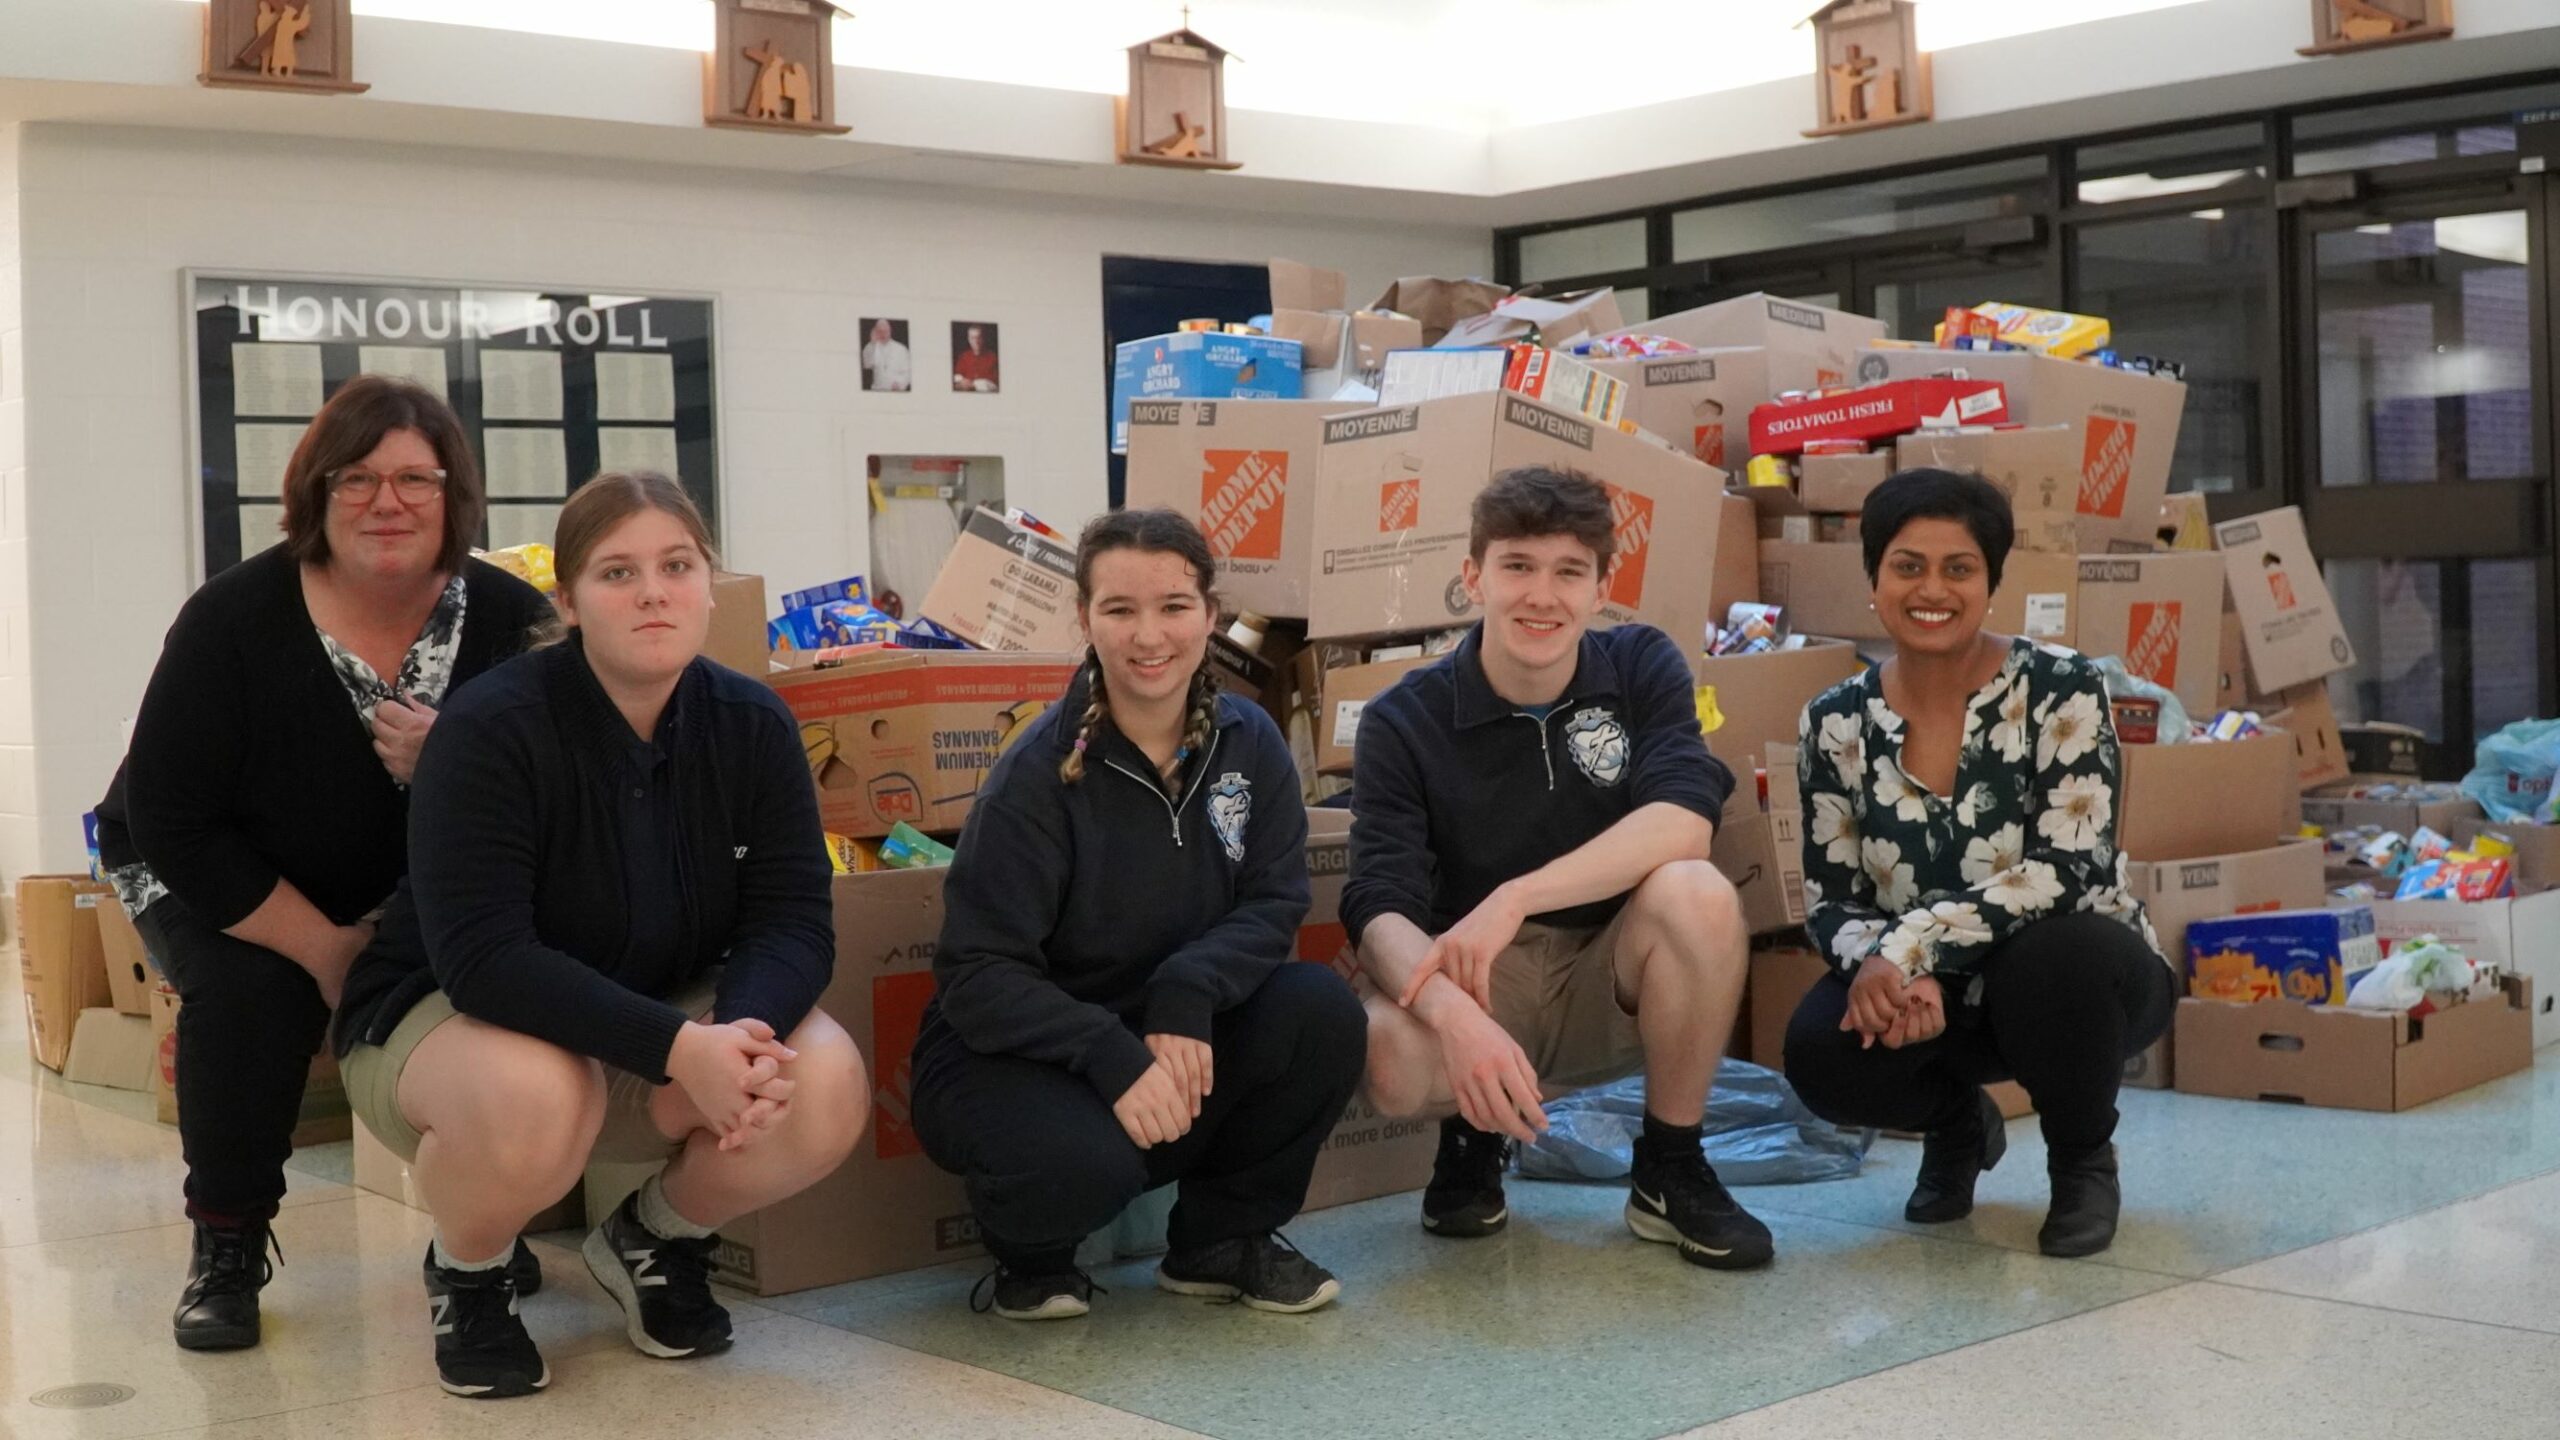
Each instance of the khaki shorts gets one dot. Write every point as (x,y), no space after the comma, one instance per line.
(629,1137)
(1555,990)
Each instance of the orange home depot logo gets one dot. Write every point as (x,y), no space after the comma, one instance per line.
(2151,641)
(1707,443)
(2106,467)
(1400,504)
(1240,495)
(897,1012)
(1631,517)
(1327,943)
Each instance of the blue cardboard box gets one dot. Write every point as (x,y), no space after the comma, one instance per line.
(2313,956)
(852,590)
(1200,365)
(826,626)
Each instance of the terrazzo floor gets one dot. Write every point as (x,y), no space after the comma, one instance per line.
(2281,1271)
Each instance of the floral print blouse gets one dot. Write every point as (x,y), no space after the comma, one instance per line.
(1935,883)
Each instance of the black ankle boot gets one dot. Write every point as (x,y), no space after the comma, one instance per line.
(2086,1199)
(219,1308)
(1951,1159)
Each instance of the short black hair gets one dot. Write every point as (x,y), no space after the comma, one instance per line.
(1528,501)
(1933,494)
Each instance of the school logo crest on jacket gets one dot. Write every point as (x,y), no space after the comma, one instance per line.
(1230,810)
(1598,745)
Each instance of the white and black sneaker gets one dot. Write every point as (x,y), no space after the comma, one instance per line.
(1020,1295)
(1264,1271)
(1679,1201)
(1464,1199)
(482,1350)
(663,1286)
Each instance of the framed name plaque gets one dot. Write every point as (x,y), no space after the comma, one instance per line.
(553,387)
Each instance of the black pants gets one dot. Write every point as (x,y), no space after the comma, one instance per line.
(1047,1163)
(250,1022)
(2063,1004)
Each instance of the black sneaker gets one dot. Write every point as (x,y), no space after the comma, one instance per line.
(1951,1159)
(1060,1295)
(218,1309)
(663,1286)
(482,1350)
(1679,1201)
(526,1269)
(1264,1271)
(1464,1199)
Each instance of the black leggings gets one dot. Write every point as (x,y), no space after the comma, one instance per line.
(250,1022)
(2064,1002)
(1047,1163)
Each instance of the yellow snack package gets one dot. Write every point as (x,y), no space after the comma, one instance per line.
(529,562)
(2057,333)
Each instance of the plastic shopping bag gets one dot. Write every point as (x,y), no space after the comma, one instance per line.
(2512,776)
(1758,1133)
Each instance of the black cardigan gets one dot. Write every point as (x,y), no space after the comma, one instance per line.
(249,763)
(515,902)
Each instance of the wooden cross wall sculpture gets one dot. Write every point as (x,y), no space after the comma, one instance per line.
(302,45)
(2340,27)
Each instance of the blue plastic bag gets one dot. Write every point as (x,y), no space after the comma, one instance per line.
(2512,776)
(1758,1133)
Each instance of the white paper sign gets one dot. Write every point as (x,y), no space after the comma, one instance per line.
(275,379)
(527,462)
(259,455)
(636,387)
(421,363)
(519,385)
(636,447)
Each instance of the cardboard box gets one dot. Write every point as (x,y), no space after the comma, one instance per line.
(2184,802)
(111,1048)
(1809,347)
(1201,365)
(1368,1154)
(1245,470)
(1414,376)
(2162,615)
(1762,851)
(1007,587)
(2520,937)
(2329,809)
(130,974)
(2395,752)
(1347,691)
(2351,1059)
(1697,403)
(324,1118)
(2127,424)
(1747,703)
(1840,484)
(1554,321)
(1823,585)
(1737,574)
(1437,303)
(910,735)
(164,1052)
(2039,597)
(60,966)
(1307,305)
(2177,893)
(2037,468)
(2288,620)
(2311,955)
(1392,513)
(1780,977)
(2537,857)
(1875,412)
(2304,712)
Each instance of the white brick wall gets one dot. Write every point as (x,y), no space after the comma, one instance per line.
(93,549)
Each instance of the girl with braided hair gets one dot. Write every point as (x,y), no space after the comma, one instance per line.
(1115,1007)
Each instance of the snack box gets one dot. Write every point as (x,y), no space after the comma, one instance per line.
(2313,956)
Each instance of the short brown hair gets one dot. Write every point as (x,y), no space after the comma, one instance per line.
(346,430)
(1533,500)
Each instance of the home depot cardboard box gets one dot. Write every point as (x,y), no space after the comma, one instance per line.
(2288,620)
(1347,692)
(2286,876)
(1840,484)
(128,961)
(1245,470)
(1392,517)
(2036,467)
(2182,802)
(2332,1056)
(910,735)
(2520,937)
(1747,703)
(2127,425)
(1368,1154)
(737,635)
(2162,615)
(1698,403)
(2302,711)
(1007,587)
(60,967)
(1809,347)
(1762,851)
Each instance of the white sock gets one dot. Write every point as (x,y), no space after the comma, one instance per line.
(445,1258)
(660,1218)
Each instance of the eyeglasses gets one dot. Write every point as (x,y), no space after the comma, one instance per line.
(358,486)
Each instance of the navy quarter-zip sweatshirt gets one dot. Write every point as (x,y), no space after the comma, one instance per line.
(1458,790)
(1078,918)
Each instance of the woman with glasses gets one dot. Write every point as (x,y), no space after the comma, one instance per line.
(261,816)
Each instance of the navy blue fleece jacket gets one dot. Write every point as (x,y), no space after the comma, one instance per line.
(1458,790)
(1078,918)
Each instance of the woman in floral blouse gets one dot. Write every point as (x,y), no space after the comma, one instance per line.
(1962,877)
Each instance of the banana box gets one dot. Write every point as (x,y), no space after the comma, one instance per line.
(2313,956)
(909,735)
